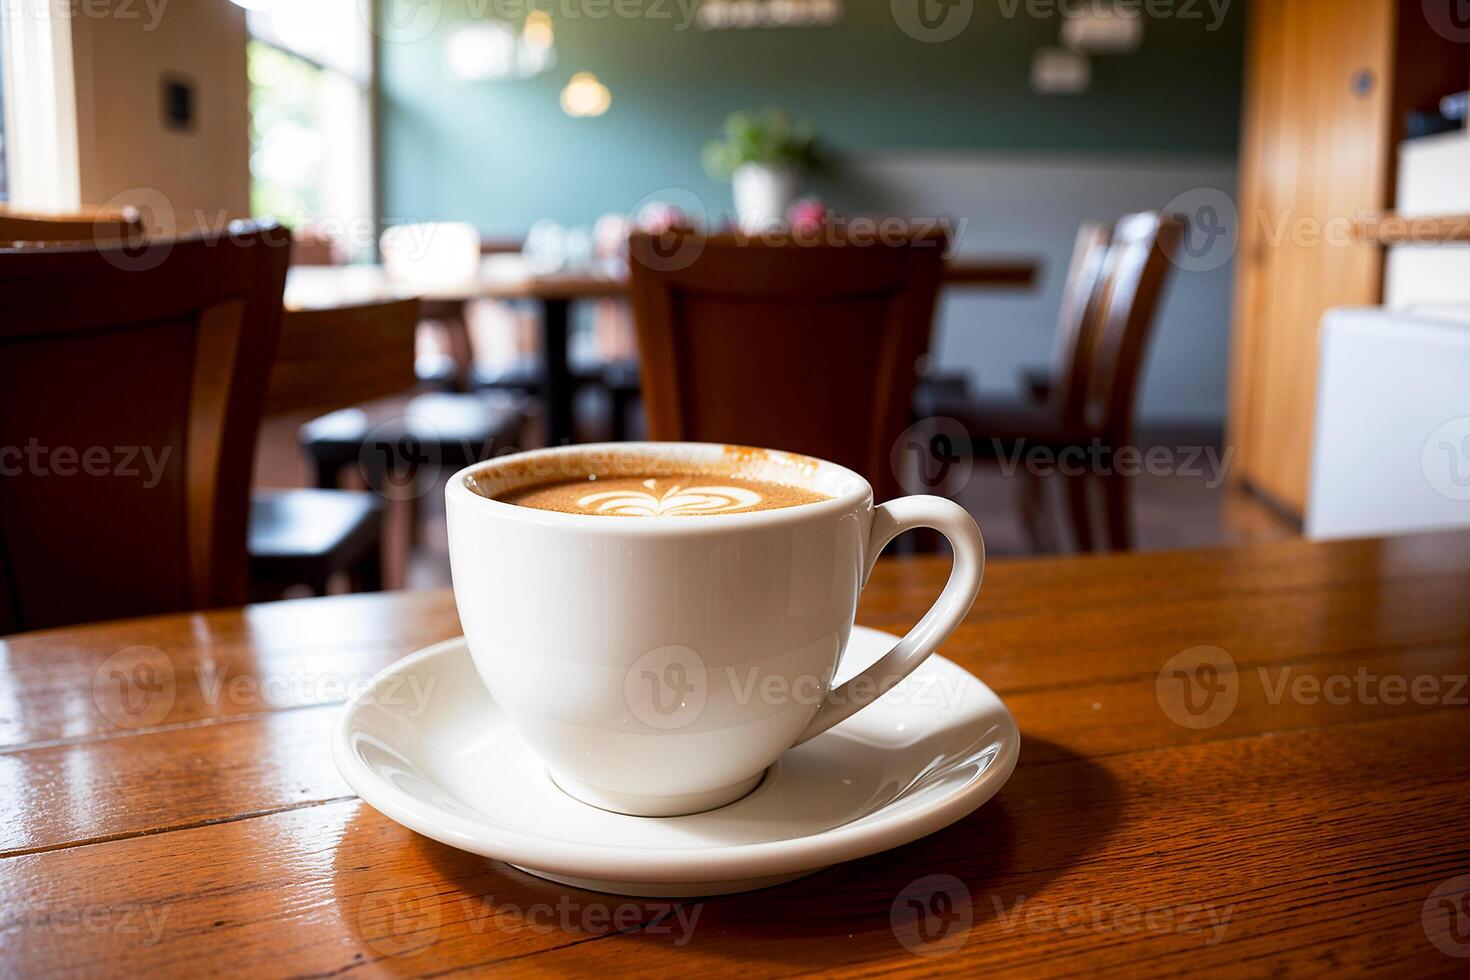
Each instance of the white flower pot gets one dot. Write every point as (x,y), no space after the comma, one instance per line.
(762,195)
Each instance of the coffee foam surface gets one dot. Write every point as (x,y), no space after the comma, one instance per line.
(654,483)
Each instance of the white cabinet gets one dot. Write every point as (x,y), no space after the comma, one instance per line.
(1391,450)
(1433,179)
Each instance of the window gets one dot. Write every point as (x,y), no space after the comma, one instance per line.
(310,118)
(4,188)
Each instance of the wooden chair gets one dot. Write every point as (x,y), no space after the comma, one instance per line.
(96,225)
(804,348)
(131,387)
(325,359)
(328,358)
(1107,317)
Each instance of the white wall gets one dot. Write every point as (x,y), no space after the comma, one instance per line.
(127,154)
(1032,205)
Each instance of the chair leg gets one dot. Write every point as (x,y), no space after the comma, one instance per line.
(461,350)
(1118,501)
(618,415)
(367,574)
(328,474)
(1031,505)
(1078,510)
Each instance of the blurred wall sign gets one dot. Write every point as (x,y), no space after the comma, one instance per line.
(1057,71)
(725,15)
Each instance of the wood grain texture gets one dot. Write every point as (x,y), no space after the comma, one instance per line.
(332,358)
(1304,832)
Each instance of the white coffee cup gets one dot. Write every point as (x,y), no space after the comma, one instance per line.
(660,664)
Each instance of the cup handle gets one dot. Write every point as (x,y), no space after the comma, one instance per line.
(889,521)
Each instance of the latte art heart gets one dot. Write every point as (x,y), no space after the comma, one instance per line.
(689,494)
(672,502)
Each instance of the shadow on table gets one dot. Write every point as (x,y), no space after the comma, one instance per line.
(920,899)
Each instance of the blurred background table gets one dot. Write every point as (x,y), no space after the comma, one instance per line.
(505,277)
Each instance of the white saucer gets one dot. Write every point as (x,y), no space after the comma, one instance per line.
(426,745)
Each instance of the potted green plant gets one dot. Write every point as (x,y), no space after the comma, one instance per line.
(761,154)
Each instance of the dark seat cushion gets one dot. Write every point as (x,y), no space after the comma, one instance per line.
(518,375)
(301,535)
(1005,421)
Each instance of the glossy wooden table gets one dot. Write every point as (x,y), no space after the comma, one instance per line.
(167,802)
(318,287)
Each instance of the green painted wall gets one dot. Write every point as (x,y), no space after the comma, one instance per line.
(501,154)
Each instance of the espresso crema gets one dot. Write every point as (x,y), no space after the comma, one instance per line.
(690,494)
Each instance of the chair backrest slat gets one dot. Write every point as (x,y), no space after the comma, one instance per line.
(98,225)
(335,357)
(807,348)
(131,385)
(1078,310)
(1139,258)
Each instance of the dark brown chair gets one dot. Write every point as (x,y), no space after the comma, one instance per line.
(804,348)
(131,385)
(96,225)
(326,358)
(1108,314)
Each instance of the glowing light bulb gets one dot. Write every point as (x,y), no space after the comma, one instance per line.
(585,96)
(537,33)
(478,51)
